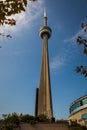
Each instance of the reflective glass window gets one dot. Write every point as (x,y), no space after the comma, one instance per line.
(76,105)
(84,101)
(84,116)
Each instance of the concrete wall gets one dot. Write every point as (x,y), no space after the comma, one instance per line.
(44,126)
(78,117)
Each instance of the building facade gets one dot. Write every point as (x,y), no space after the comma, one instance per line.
(78,110)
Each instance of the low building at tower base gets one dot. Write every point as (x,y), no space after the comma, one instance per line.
(78,111)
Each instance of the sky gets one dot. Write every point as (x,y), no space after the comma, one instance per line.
(20,57)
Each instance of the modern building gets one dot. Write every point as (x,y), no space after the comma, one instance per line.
(43,93)
(78,110)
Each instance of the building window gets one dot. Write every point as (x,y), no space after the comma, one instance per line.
(84,116)
(75,106)
(84,101)
(81,103)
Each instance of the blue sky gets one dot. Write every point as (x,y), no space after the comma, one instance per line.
(20,57)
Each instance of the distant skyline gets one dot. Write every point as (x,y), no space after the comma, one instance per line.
(20,57)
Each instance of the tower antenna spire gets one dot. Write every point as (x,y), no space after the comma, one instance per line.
(45,12)
(45,17)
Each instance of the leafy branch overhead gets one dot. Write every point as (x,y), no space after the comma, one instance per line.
(11,7)
(82,70)
(81,41)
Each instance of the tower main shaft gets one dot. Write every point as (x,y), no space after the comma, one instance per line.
(44,106)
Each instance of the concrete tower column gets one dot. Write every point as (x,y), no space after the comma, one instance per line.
(44,99)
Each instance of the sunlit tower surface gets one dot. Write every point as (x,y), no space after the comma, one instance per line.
(43,94)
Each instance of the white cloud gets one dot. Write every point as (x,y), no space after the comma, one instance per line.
(73,38)
(79,33)
(57,62)
(69,48)
(25,19)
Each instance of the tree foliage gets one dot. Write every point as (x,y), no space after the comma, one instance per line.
(73,125)
(81,41)
(10,121)
(82,69)
(9,8)
(42,118)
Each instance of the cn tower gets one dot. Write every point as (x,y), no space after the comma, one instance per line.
(43,93)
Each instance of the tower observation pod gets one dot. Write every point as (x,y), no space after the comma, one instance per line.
(43,94)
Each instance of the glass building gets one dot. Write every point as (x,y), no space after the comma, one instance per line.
(78,110)
(78,104)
